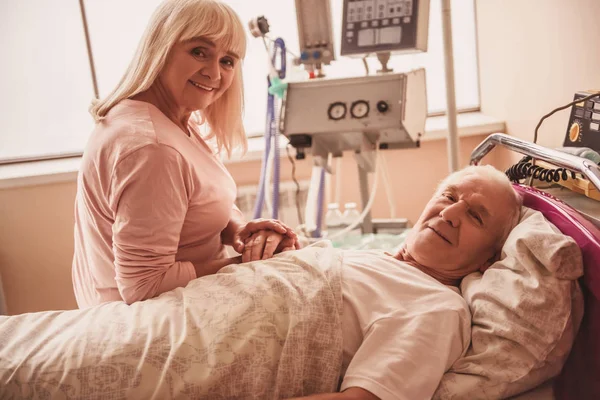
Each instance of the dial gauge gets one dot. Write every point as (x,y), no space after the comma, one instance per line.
(336,111)
(359,109)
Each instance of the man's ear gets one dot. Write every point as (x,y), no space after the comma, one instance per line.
(489,262)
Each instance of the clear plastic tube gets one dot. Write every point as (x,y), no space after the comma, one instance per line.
(369,203)
(388,187)
(338,180)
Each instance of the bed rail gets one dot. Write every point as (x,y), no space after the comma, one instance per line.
(578,164)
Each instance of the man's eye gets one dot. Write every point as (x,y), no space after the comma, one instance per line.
(477,218)
(449,196)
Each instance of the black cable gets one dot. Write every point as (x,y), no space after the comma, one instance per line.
(556,177)
(535,134)
(519,170)
(525,169)
(300,219)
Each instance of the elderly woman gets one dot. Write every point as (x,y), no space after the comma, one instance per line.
(154,205)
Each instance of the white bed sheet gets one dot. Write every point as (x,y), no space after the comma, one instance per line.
(255,331)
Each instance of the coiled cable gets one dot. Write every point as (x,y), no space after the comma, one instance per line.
(526,169)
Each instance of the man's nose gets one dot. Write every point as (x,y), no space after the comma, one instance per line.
(452,213)
(212,70)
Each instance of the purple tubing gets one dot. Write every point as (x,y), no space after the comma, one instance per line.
(271,133)
(276,167)
(260,198)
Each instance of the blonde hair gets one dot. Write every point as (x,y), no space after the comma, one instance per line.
(176,21)
(490,173)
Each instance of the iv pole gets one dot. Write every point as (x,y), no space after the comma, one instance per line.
(453,149)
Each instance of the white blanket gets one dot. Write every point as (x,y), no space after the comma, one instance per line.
(262,330)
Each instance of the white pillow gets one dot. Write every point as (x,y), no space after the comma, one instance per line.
(526,310)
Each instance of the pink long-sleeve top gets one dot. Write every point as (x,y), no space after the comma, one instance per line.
(150,201)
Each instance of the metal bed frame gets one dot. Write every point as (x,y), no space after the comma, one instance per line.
(584,166)
(579,377)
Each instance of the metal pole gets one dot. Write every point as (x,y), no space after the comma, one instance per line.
(453,149)
(363,179)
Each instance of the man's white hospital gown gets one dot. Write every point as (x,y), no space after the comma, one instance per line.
(402,329)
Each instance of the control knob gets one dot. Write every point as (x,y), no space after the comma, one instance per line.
(382,106)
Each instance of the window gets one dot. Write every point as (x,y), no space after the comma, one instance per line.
(47,87)
(45,80)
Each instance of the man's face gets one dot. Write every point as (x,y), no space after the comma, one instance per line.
(459,230)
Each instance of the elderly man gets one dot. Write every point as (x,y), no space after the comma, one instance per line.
(404,322)
(370,324)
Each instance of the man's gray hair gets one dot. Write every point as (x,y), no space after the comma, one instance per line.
(489,173)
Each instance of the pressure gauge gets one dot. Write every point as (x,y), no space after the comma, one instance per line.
(359,109)
(336,111)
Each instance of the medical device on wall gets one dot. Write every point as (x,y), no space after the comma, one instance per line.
(583,129)
(315,33)
(376,26)
(332,115)
(336,115)
(325,116)
(328,116)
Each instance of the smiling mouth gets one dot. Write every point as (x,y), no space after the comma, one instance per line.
(207,88)
(440,235)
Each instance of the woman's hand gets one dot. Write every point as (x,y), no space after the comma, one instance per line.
(244,232)
(264,244)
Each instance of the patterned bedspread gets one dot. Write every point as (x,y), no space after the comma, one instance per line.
(262,330)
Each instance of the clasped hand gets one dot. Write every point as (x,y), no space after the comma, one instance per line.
(260,239)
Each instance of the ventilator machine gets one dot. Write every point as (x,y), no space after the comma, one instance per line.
(325,117)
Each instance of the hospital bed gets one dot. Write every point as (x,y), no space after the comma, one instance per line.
(579,378)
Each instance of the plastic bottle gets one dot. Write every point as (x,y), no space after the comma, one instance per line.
(350,216)
(334,221)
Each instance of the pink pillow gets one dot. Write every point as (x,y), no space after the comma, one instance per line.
(526,309)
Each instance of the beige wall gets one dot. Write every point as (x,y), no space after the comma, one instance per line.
(36,247)
(533,56)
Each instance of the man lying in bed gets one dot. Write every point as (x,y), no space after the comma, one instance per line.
(370,324)
(402,329)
